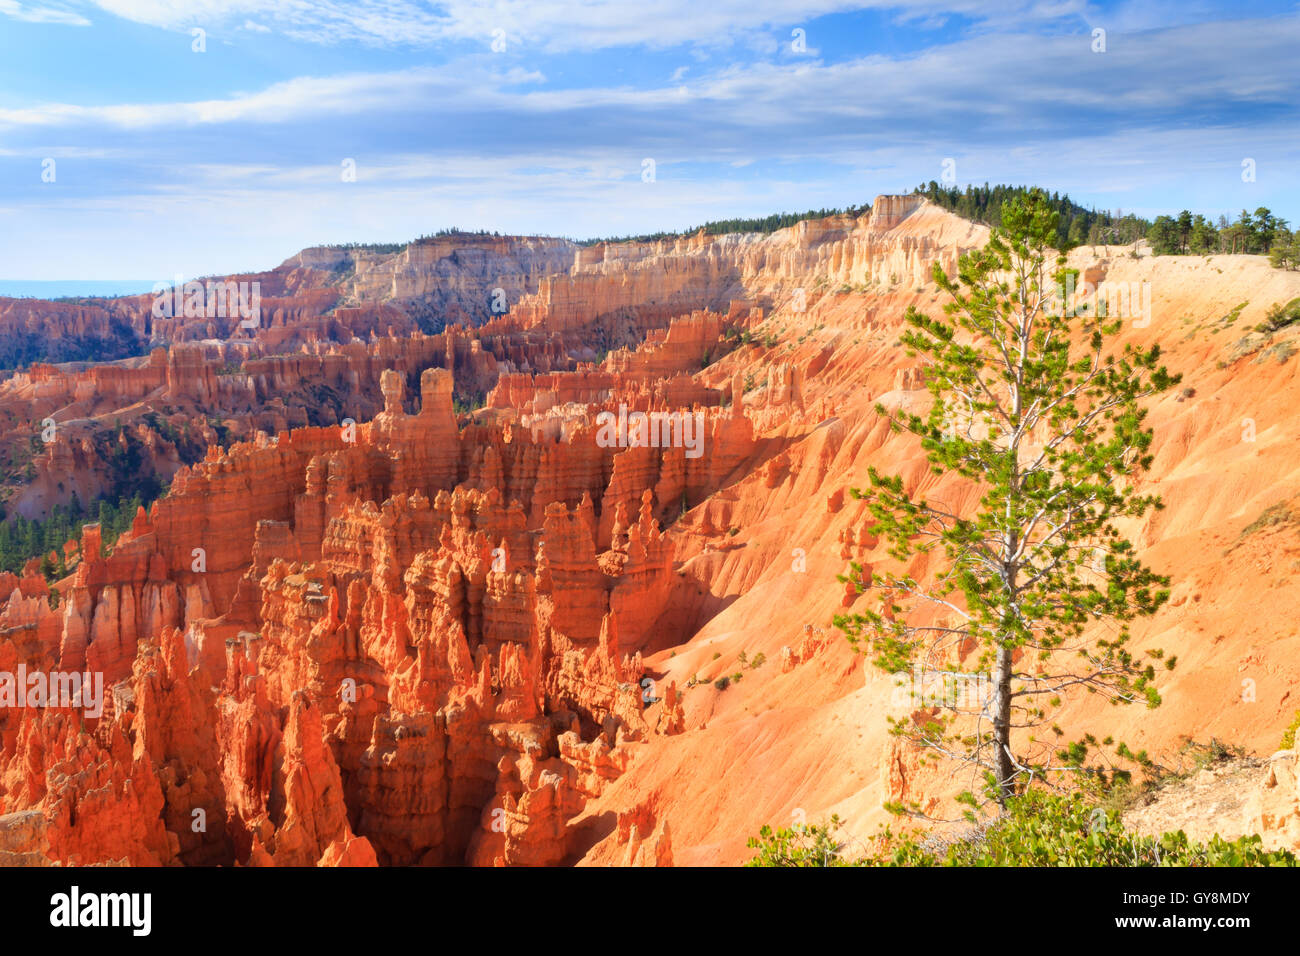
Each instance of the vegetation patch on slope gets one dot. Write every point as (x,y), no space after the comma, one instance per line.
(1037,829)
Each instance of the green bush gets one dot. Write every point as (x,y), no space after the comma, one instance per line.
(1280,316)
(799,845)
(1288,737)
(1038,829)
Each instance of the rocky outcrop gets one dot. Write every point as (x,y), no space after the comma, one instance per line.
(1273,808)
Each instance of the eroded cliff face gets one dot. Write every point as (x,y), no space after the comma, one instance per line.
(331,321)
(493,638)
(457,279)
(320,294)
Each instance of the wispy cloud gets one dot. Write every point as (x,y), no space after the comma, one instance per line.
(563,26)
(555,144)
(552,25)
(981,89)
(41,14)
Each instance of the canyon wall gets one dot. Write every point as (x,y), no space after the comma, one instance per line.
(587,622)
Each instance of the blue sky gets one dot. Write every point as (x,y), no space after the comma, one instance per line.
(537,116)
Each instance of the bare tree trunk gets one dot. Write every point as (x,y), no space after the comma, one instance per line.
(1002,723)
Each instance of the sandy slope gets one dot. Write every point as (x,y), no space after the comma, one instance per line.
(780,746)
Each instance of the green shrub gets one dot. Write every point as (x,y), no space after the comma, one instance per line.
(1038,829)
(1288,737)
(1280,316)
(799,846)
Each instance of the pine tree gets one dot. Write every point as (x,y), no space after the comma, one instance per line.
(1184,230)
(1164,236)
(1204,237)
(1285,253)
(1030,407)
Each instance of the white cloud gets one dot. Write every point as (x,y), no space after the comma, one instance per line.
(959,93)
(483,142)
(554,25)
(300,98)
(560,25)
(30,14)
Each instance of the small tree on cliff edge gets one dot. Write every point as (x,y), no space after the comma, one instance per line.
(1027,406)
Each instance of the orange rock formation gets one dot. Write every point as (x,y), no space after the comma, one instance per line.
(439,637)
